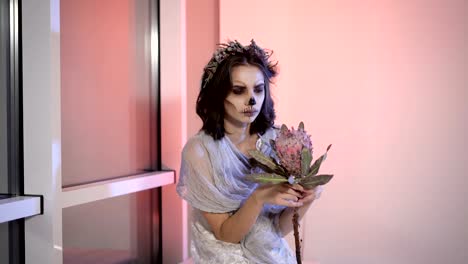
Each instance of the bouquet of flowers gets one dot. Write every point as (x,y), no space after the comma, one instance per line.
(291,163)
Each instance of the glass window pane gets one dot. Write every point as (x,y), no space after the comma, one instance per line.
(4,62)
(10,232)
(3,142)
(114,230)
(4,246)
(105,89)
(4,72)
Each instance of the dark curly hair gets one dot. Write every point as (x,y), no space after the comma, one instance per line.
(216,85)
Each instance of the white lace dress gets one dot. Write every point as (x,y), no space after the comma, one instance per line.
(212,180)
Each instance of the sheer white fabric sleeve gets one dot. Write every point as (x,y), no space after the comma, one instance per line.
(196,182)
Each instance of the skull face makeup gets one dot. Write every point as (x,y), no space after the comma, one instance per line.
(219,103)
(245,100)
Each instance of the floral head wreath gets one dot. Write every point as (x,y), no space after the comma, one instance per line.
(232,48)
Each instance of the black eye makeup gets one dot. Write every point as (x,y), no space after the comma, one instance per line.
(236,89)
(239,89)
(259,88)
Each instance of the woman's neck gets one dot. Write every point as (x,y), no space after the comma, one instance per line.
(238,134)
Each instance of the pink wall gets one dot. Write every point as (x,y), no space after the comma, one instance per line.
(202,37)
(384,82)
(173,124)
(189,33)
(202,34)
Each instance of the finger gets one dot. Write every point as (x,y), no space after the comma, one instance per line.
(287,196)
(294,192)
(312,195)
(296,204)
(313,190)
(288,200)
(297,187)
(284,187)
(307,199)
(308,192)
(291,203)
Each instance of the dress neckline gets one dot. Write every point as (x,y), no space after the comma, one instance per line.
(234,147)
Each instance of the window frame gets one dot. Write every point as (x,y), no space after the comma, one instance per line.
(23,244)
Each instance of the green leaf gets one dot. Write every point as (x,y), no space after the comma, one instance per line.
(314,181)
(316,166)
(301,126)
(306,158)
(266,178)
(284,128)
(266,161)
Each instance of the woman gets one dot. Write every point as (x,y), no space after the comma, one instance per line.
(235,220)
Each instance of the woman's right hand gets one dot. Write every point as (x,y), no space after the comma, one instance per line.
(279,194)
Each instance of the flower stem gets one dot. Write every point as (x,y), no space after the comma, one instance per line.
(296,236)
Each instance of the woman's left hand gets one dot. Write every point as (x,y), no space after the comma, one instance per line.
(308,196)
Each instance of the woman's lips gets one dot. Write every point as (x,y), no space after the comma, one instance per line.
(250,112)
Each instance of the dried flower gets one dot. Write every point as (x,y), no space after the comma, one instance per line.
(291,164)
(289,145)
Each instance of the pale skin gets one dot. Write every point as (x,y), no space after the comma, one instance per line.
(248,82)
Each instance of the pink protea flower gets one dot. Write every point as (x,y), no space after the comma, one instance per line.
(289,145)
(290,162)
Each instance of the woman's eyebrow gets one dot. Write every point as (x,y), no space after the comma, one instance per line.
(236,82)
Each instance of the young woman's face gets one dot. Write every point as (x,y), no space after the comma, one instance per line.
(245,100)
